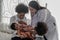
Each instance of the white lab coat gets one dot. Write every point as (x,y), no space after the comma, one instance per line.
(44,15)
(15,18)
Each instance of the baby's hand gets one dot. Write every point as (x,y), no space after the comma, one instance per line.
(23,36)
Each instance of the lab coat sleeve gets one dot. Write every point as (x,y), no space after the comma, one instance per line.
(12,20)
(52,33)
(9,28)
(56,33)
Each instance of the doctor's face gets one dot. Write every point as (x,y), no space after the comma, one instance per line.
(21,15)
(32,10)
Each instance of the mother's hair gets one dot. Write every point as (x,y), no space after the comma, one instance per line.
(35,5)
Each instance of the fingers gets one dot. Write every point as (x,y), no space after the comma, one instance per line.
(23,36)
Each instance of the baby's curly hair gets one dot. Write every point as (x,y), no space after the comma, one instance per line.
(21,8)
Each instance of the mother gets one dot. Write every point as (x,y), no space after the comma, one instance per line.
(42,14)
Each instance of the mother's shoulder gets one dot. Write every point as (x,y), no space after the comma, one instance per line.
(43,10)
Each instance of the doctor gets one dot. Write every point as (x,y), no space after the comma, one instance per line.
(21,10)
(42,14)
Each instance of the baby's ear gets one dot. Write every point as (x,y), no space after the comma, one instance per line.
(13,26)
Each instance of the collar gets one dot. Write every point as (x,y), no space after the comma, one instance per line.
(18,19)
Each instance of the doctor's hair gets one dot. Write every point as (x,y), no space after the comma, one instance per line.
(21,8)
(41,28)
(36,5)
